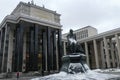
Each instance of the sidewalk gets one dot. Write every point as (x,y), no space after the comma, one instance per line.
(21,78)
(4,76)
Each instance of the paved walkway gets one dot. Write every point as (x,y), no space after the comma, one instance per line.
(21,78)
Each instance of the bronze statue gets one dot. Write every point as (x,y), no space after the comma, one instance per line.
(73,46)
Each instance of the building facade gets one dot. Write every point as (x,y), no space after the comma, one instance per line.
(83,32)
(30,40)
(102,50)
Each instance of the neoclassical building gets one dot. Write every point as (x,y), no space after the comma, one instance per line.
(102,50)
(30,40)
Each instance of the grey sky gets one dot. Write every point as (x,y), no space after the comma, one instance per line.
(101,14)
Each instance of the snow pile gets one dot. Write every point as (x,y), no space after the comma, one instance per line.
(90,75)
(62,76)
(100,76)
(107,70)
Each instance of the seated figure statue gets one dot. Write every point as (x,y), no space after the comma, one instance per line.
(73,46)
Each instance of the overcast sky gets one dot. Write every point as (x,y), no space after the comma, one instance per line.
(101,14)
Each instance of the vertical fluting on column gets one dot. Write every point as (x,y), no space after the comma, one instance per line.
(87,54)
(96,54)
(106,52)
(118,48)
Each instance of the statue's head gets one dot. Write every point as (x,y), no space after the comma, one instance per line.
(71,31)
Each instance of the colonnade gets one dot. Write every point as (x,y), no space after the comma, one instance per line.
(24,45)
(105,50)
(109,51)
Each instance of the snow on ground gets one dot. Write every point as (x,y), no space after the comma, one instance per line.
(90,75)
(107,70)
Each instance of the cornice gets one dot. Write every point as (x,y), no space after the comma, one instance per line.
(35,6)
(106,34)
(18,17)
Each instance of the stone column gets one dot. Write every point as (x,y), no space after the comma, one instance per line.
(112,52)
(19,45)
(4,45)
(57,55)
(44,52)
(87,54)
(14,58)
(1,53)
(102,54)
(36,27)
(0,38)
(59,48)
(118,47)
(64,48)
(10,51)
(24,53)
(96,54)
(106,52)
(32,49)
(54,51)
(5,48)
(48,49)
